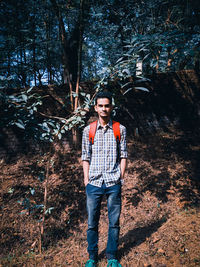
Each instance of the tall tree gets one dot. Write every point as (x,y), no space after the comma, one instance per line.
(42,40)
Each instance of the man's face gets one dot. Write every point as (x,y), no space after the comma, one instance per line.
(103,107)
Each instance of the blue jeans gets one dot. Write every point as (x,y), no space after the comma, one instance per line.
(94,197)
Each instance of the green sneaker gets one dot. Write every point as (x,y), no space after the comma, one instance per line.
(90,263)
(113,263)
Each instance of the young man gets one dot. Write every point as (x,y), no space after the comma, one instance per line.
(104,164)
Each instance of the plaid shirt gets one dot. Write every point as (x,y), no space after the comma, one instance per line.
(102,156)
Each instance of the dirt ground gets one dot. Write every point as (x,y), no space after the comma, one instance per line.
(160,207)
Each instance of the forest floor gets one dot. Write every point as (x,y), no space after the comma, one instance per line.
(160,207)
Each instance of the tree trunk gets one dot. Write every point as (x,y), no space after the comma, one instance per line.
(72,52)
(34,63)
(79,54)
(76,137)
(66,50)
(9,62)
(48,54)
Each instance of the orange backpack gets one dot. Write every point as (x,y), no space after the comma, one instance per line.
(116,131)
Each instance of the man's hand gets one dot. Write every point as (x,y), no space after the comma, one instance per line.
(86,182)
(86,166)
(123,164)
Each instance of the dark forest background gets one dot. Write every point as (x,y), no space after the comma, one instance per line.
(57,41)
(117,45)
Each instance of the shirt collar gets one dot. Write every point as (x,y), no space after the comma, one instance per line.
(107,125)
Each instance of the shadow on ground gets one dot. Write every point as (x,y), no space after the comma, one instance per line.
(135,237)
(164,164)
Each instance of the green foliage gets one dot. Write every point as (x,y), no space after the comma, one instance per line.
(159,35)
(153,31)
(22,110)
(155,50)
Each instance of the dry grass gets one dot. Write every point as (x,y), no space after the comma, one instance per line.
(160,215)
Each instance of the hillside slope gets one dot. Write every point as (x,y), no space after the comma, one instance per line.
(160,215)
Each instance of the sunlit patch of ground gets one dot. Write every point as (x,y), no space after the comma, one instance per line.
(160,208)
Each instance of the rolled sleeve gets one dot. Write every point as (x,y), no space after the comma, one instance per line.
(86,154)
(123,143)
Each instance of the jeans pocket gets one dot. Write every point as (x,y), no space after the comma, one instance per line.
(86,187)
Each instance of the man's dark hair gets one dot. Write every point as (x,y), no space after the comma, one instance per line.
(103,94)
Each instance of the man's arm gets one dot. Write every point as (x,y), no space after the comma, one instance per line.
(86,155)
(123,164)
(123,152)
(86,166)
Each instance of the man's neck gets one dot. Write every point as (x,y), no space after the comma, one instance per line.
(104,121)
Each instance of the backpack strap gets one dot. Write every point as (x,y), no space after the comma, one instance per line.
(115,126)
(93,127)
(116,130)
